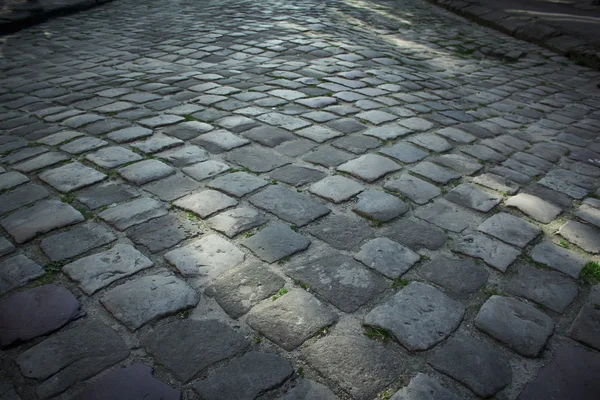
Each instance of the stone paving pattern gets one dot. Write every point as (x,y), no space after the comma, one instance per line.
(294,200)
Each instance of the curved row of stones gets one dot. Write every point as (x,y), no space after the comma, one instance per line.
(253,209)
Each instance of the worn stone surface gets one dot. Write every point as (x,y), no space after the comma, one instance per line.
(9,180)
(336,188)
(188,347)
(415,234)
(21,196)
(112,157)
(493,252)
(275,242)
(145,171)
(185,155)
(510,229)
(206,169)
(290,206)
(369,167)
(256,160)
(237,184)
(206,258)
(520,326)
(44,216)
(473,363)
(559,258)
(460,276)
(470,196)
(448,216)
(135,212)
(585,236)
(141,300)
(297,175)
(76,241)
(206,203)
(35,312)
(106,194)
(423,387)
(246,377)
(238,290)
(419,316)
(306,389)
(414,188)
(97,271)
(132,382)
(163,232)
(17,271)
(341,231)
(361,367)
(534,207)
(72,356)
(172,187)
(388,257)
(291,319)
(236,221)
(339,279)
(586,326)
(6,247)
(219,141)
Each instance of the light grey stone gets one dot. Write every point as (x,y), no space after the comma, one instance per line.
(520,326)
(206,169)
(245,378)
(188,130)
(39,162)
(135,212)
(388,257)
(585,236)
(563,260)
(275,242)
(417,190)
(238,184)
(387,132)
(359,366)
(369,167)
(548,288)
(404,152)
(72,356)
(423,387)
(183,156)
(129,134)
(44,216)
(510,229)
(59,137)
(172,187)
(83,145)
(188,347)
(219,141)
(17,271)
(419,316)
(257,160)
(297,175)
(338,279)
(146,171)
(534,207)
(161,120)
(240,289)
(137,302)
(205,258)
(98,270)
(416,124)
(76,241)
(299,209)
(71,177)
(376,117)
(491,251)
(236,221)
(290,319)
(327,156)
(206,203)
(296,148)
(589,214)
(497,183)
(457,135)
(357,144)
(458,163)
(473,363)
(461,276)
(431,142)
(336,188)
(470,196)
(434,172)
(269,135)
(111,157)
(318,133)
(379,206)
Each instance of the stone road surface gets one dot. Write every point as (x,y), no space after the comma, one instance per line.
(295,200)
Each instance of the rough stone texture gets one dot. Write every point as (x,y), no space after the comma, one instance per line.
(41,161)
(106,194)
(493,252)
(291,319)
(361,367)
(585,236)
(21,196)
(423,387)
(233,222)
(133,213)
(9,180)
(206,169)
(336,188)
(111,157)
(145,171)
(163,232)
(275,242)
(561,259)
(339,279)
(269,135)
(173,187)
(6,247)
(297,175)
(219,141)
(548,288)
(369,167)
(510,229)
(415,234)
(35,312)
(186,155)
(206,258)
(470,196)
(307,390)
(474,364)
(139,301)
(246,377)
(414,188)
(341,231)
(379,206)
(460,276)
(520,326)
(17,271)
(238,184)
(99,270)
(290,206)
(419,316)
(434,172)
(44,216)
(572,374)
(448,216)
(72,356)
(71,177)
(257,160)
(188,347)
(206,203)
(132,382)
(76,241)
(388,257)
(238,290)
(586,327)
(534,207)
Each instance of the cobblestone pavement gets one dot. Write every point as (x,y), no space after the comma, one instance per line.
(295,200)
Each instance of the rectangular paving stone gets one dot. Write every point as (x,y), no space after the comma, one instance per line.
(336,188)
(461,276)
(404,152)
(163,232)
(17,271)
(369,167)
(510,229)
(220,141)
(9,180)
(76,241)
(257,160)
(145,171)
(99,270)
(491,251)
(114,156)
(585,236)
(470,196)
(387,131)
(83,145)
(44,216)
(106,194)
(72,356)
(137,302)
(129,134)
(135,212)
(434,172)
(318,133)
(417,190)
(288,205)
(156,143)
(534,207)
(71,177)
(448,216)
(21,196)
(275,242)
(236,221)
(206,169)
(386,256)
(559,258)
(41,161)
(496,182)
(458,163)
(186,155)
(206,203)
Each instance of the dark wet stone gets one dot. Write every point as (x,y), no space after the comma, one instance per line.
(342,231)
(460,276)
(415,235)
(586,327)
